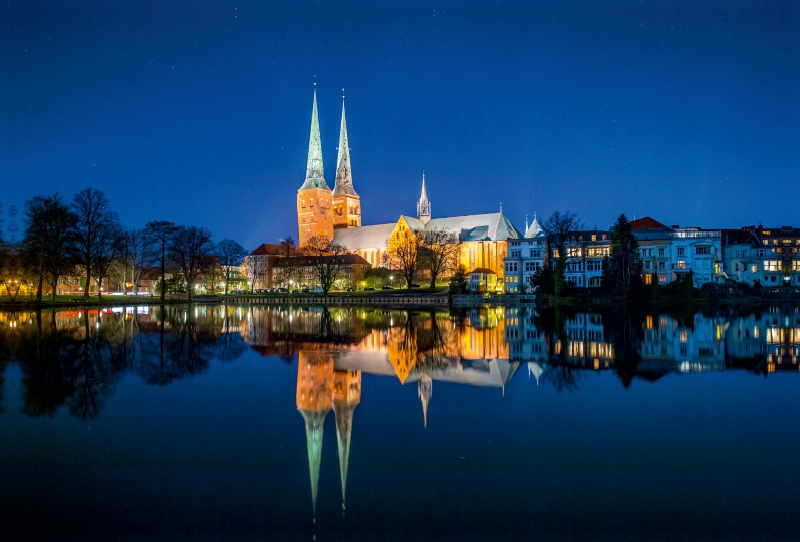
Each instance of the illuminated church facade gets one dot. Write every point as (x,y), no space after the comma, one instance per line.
(336,214)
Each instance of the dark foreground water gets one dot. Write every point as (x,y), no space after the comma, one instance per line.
(261,423)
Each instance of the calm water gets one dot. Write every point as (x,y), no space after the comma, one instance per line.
(310,423)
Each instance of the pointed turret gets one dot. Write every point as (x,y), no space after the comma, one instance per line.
(425,392)
(424,205)
(534,229)
(346,202)
(315,175)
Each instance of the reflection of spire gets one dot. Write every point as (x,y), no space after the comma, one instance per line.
(536,369)
(346,396)
(315,423)
(425,391)
(314,400)
(344,427)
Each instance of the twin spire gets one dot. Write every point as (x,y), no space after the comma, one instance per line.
(315,174)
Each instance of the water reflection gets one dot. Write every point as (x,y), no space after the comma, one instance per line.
(75,357)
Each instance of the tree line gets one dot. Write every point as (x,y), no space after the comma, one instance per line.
(84,237)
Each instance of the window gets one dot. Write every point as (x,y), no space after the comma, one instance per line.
(661,252)
(761,252)
(511,266)
(770,265)
(536,253)
(648,279)
(680,251)
(754,268)
(702,250)
(796,265)
(661,266)
(767,232)
(516,253)
(574,252)
(594,238)
(662,279)
(647,265)
(531,267)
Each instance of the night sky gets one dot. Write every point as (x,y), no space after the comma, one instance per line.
(199,112)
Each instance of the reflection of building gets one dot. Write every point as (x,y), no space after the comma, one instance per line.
(321,388)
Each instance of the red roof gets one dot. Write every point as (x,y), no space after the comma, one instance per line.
(647,223)
(269,249)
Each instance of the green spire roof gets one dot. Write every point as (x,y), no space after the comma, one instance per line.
(315,175)
(344,176)
(315,423)
(344,428)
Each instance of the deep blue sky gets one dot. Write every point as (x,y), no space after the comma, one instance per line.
(199,112)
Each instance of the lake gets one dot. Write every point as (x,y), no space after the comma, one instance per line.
(268,422)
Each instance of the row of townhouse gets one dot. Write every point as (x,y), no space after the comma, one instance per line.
(750,254)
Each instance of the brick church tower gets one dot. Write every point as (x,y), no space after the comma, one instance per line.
(314,199)
(346,203)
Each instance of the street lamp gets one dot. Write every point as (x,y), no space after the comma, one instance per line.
(391,281)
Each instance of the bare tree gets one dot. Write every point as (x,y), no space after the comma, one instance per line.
(328,260)
(230,254)
(49,224)
(96,237)
(559,228)
(439,252)
(190,249)
(291,266)
(137,254)
(159,235)
(403,253)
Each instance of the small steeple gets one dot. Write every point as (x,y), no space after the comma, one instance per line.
(315,175)
(423,205)
(344,176)
(534,229)
(425,392)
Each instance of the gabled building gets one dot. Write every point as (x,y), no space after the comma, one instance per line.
(258,264)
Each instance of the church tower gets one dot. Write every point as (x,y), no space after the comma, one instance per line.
(423,205)
(314,205)
(346,203)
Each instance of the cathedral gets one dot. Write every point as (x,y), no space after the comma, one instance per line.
(336,214)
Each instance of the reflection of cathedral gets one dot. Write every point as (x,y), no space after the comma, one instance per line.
(321,388)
